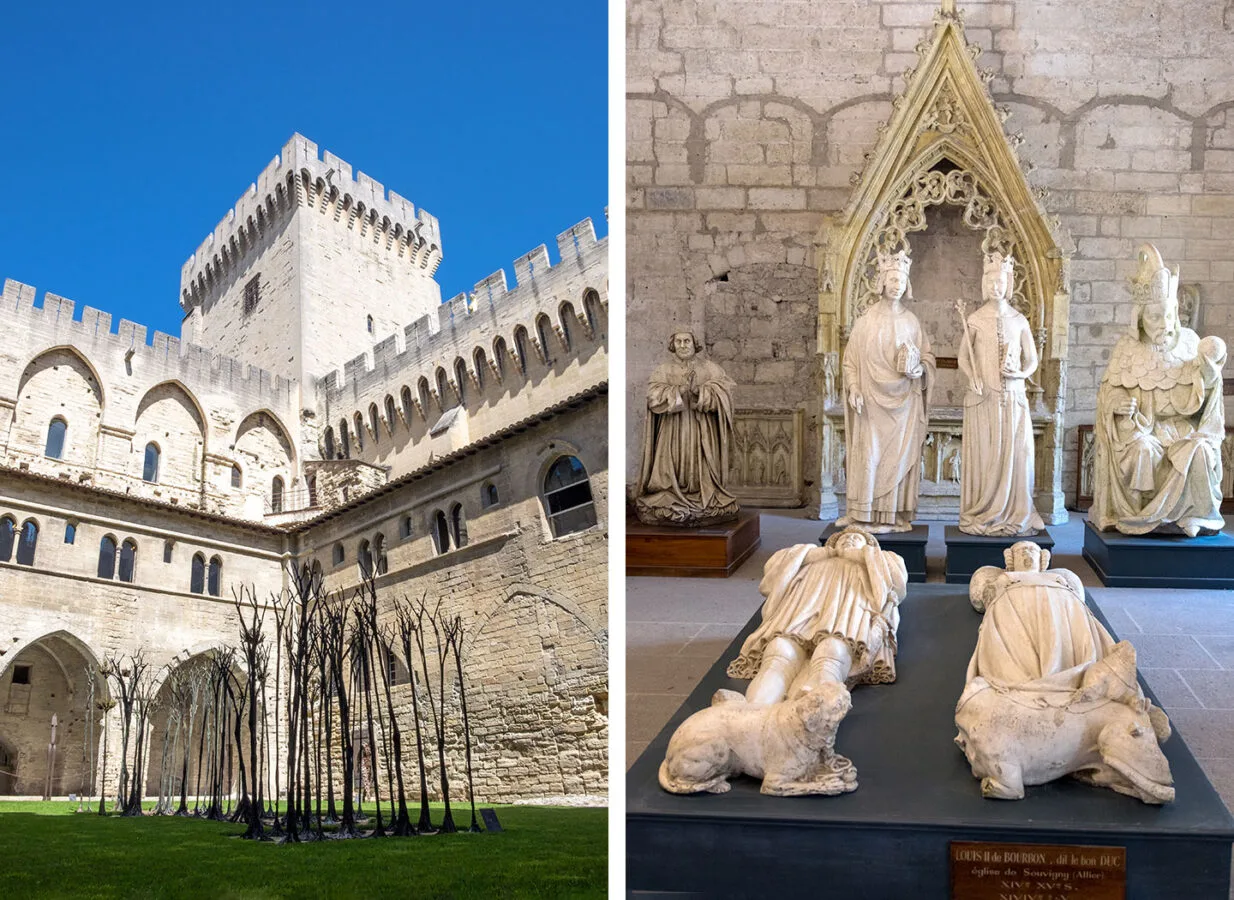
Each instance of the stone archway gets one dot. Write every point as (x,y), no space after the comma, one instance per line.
(8,770)
(50,677)
(188,713)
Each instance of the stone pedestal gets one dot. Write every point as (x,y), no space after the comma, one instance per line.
(715,551)
(911,545)
(1160,561)
(891,837)
(966,553)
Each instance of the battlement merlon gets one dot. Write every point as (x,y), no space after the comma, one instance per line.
(285,177)
(492,309)
(197,367)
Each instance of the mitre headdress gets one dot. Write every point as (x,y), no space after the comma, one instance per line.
(1154,282)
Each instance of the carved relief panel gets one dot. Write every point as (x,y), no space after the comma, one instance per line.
(766,467)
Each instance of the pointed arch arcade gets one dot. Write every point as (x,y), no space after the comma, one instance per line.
(945,144)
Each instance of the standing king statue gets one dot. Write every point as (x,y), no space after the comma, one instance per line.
(687,441)
(1160,418)
(888,376)
(997,354)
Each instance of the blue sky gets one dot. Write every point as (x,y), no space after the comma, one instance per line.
(128,130)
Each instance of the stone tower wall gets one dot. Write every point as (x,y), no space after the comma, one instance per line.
(746,121)
(329,249)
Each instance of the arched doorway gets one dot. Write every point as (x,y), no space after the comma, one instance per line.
(56,675)
(192,730)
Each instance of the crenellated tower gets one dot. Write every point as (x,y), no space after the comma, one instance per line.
(310,268)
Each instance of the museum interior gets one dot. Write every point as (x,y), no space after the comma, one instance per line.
(930,570)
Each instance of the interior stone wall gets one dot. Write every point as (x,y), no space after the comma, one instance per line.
(746,120)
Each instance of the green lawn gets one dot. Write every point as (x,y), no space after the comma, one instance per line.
(48,851)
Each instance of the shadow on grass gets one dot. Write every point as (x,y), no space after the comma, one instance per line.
(544,852)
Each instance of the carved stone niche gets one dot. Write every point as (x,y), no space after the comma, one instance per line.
(767,468)
(945,179)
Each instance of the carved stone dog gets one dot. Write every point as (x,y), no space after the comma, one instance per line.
(789,745)
(1102,734)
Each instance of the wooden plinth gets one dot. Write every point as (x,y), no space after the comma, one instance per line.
(712,552)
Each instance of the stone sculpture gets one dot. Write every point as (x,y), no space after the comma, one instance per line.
(829,622)
(996,355)
(888,377)
(1160,418)
(687,441)
(1049,693)
(789,745)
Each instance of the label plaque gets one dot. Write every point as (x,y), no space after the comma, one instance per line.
(981,871)
(490,820)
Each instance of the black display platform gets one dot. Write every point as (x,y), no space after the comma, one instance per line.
(966,553)
(1160,560)
(890,838)
(911,545)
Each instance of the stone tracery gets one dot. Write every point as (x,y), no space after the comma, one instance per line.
(945,146)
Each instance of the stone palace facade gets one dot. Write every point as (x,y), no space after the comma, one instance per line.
(323,407)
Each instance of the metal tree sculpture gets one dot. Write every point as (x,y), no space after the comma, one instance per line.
(454,639)
(409,632)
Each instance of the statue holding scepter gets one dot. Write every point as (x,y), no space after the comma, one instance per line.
(997,356)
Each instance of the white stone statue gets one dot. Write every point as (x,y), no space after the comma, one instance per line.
(997,354)
(829,622)
(1049,693)
(790,746)
(1160,418)
(687,441)
(888,377)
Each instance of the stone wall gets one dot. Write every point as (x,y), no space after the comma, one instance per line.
(329,249)
(117,393)
(534,606)
(479,363)
(60,617)
(745,122)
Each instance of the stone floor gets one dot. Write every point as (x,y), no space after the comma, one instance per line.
(677,628)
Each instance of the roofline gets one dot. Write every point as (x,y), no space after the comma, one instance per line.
(574,401)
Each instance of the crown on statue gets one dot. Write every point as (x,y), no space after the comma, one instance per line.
(995,262)
(894,262)
(1154,282)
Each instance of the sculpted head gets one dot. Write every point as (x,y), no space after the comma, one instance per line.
(1155,292)
(893,275)
(852,539)
(997,276)
(683,345)
(982,585)
(1026,556)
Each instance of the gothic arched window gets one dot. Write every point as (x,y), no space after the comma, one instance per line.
(107,557)
(150,471)
(128,559)
(567,497)
(27,542)
(197,578)
(55,438)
